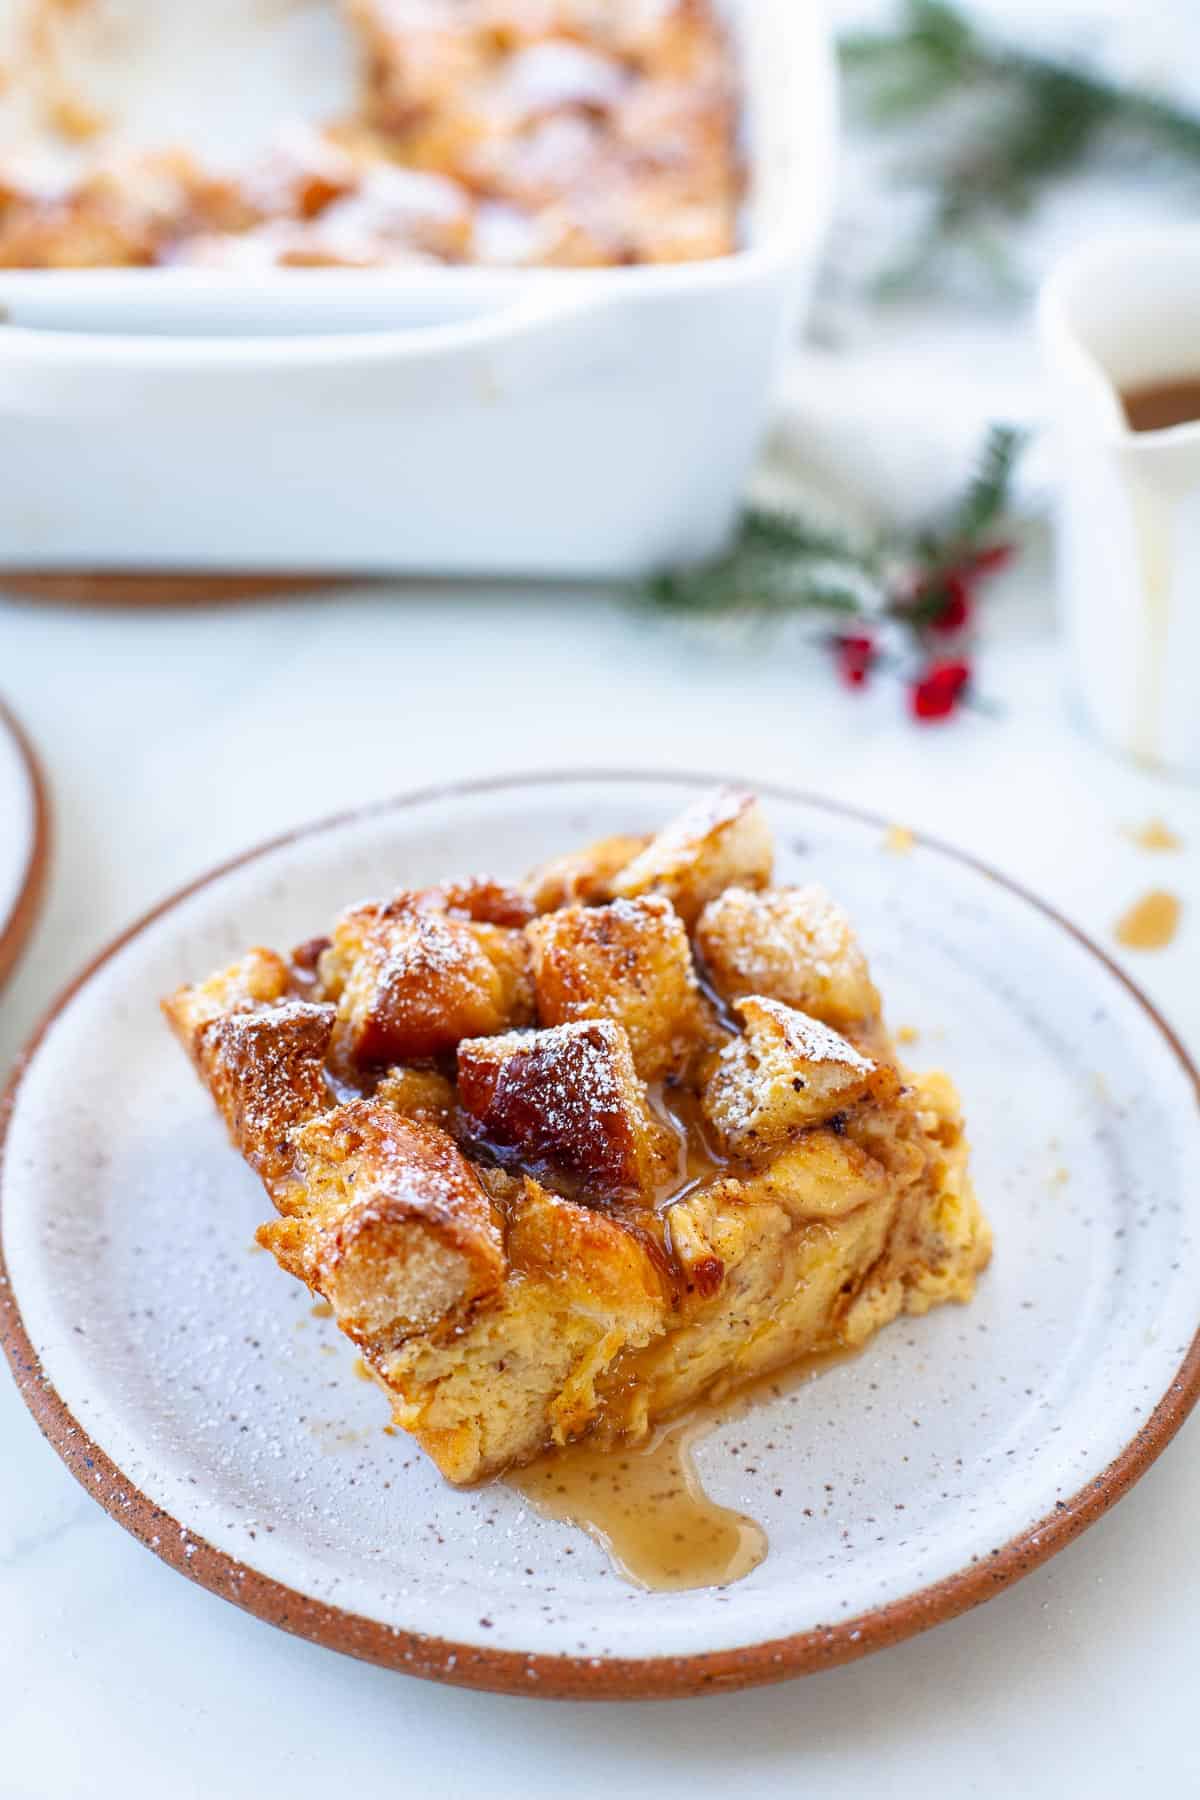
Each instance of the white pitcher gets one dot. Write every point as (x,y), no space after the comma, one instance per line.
(1121,314)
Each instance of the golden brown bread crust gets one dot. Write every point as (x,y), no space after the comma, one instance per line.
(262,1058)
(389,1221)
(631,962)
(256,979)
(545,1188)
(266,1072)
(787,1073)
(483,899)
(411,980)
(721,840)
(566,1100)
(790,944)
(584,876)
(486,131)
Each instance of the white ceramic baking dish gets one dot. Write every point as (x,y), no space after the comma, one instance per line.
(586,423)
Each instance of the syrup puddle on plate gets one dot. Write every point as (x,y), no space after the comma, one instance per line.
(645,1503)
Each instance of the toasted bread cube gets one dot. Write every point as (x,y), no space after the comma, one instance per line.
(583,1290)
(567,1099)
(721,839)
(411,982)
(258,979)
(794,945)
(305,959)
(418,1094)
(586,876)
(787,1073)
(482,899)
(630,961)
(266,1072)
(392,1226)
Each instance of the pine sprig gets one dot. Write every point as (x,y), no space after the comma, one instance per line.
(916,586)
(929,57)
(787,534)
(987,494)
(778,563)
(1023,121)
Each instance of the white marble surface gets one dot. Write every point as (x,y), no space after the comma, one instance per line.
(174,739)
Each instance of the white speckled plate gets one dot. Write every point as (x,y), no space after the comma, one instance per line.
(24,836)
(187,1383)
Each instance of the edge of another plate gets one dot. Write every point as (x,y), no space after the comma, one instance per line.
(15,929)
(564,1677)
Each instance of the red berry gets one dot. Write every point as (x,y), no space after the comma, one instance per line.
(855,656)
(940,689)
(987,562)
(955,613)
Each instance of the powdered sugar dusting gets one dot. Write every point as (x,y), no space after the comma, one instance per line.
(805,1037)
(713,812)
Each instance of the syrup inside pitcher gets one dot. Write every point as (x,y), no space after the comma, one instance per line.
(1159,405)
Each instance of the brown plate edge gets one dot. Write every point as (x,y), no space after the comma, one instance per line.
(15,930)
(563,1677)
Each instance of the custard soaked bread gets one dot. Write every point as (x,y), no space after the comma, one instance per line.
(562,133)
(565,1156)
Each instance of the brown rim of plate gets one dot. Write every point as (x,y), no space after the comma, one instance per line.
(16,928)
(569,1677)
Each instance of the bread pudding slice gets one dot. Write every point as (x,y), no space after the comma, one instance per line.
(564,133)
(567,1155)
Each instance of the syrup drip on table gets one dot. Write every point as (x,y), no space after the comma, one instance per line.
(1155,835)
(1151,923)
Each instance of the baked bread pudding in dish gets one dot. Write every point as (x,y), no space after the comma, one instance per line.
(568,1155)
(554,132)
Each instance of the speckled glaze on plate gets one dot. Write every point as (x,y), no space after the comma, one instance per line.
(188,1385)
(24,839)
